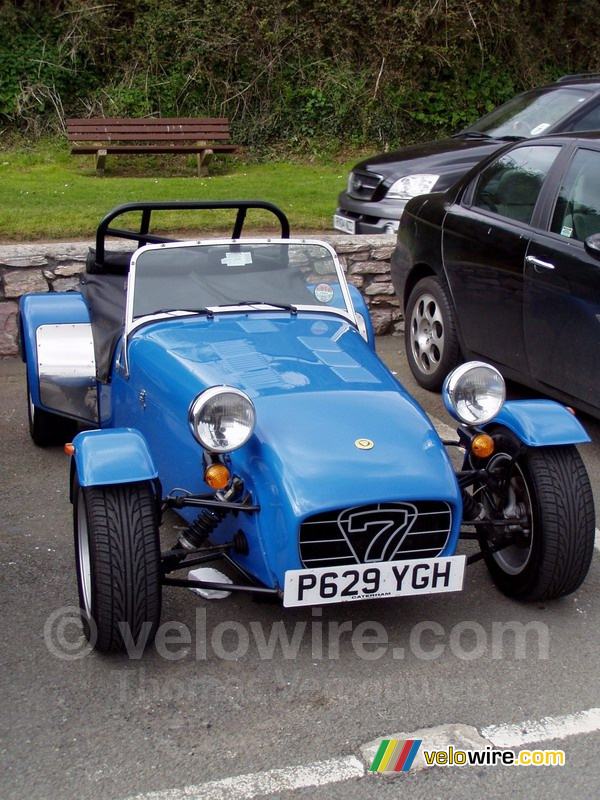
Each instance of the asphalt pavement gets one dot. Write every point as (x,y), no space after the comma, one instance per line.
(240,699)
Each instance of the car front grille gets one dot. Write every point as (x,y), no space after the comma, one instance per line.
(363,185)
(380,532)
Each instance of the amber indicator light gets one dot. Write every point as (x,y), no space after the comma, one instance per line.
(482,445)
(217,476)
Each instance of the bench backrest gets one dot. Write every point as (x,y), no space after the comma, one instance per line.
(148,130)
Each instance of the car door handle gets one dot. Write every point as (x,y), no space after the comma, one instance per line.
(538,263)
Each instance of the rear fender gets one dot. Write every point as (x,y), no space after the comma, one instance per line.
(57,346)
(118,455)
(541,423)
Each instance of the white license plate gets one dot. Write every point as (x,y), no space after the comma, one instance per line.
(343,224)
(307,587)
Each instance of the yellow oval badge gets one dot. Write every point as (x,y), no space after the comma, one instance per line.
(364,444)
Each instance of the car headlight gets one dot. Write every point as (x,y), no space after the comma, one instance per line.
(411,186)
(474,393)
(222,418)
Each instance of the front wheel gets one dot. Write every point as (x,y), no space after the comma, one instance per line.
(430,336)
(548,490)
(117,554)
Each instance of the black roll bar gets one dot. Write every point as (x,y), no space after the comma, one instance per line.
(143,235)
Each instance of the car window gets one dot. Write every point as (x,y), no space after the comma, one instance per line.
(185,277)
(577,211)
(530,114)
(510,185)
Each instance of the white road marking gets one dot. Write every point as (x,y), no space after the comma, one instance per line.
(546,729)
(597,542)
(259,784)
(336,770)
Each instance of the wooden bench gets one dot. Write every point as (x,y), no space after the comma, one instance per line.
(119,136)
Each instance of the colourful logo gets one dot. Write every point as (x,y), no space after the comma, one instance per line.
(395,755)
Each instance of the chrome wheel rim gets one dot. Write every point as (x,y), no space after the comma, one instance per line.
(427,333)
(83,556)
(514,559)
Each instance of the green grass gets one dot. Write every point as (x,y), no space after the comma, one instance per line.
(47,194)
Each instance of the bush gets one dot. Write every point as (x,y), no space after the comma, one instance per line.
(286,71)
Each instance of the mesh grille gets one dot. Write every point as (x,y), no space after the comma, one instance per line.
(380,532)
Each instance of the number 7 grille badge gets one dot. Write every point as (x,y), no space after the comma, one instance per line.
(376,534)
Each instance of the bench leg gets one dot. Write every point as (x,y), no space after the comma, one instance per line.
(204,159)
(100,161)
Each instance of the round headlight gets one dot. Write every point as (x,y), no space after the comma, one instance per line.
(474,393)
(222,418)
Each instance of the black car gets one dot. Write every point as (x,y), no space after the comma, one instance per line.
(505,267)
(379,187)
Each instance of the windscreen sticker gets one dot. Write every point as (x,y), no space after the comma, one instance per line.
(539,129)
(237,259)
(566,231)
(324,292)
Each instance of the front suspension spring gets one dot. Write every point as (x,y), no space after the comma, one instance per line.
(208,520)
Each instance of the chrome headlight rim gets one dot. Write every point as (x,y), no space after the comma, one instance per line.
(200,403)
(457,382)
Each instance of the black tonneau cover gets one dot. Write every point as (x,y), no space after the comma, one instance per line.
(104,290)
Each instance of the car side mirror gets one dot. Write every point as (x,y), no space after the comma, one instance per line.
(592,245)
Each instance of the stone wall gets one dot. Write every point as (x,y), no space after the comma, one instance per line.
(26,268)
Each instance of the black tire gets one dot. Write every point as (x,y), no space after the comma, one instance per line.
(47,429)
(430,335)
(117,552)
(553,487)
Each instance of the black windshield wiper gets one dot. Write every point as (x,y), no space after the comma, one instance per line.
(472,135)
(209,313)
(292,309)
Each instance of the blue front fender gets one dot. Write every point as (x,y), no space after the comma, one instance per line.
(119,455)
(540,423)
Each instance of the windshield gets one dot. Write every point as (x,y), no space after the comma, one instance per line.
(529,114)
(216,276)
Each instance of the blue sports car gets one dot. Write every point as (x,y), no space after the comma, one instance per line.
(235,381)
